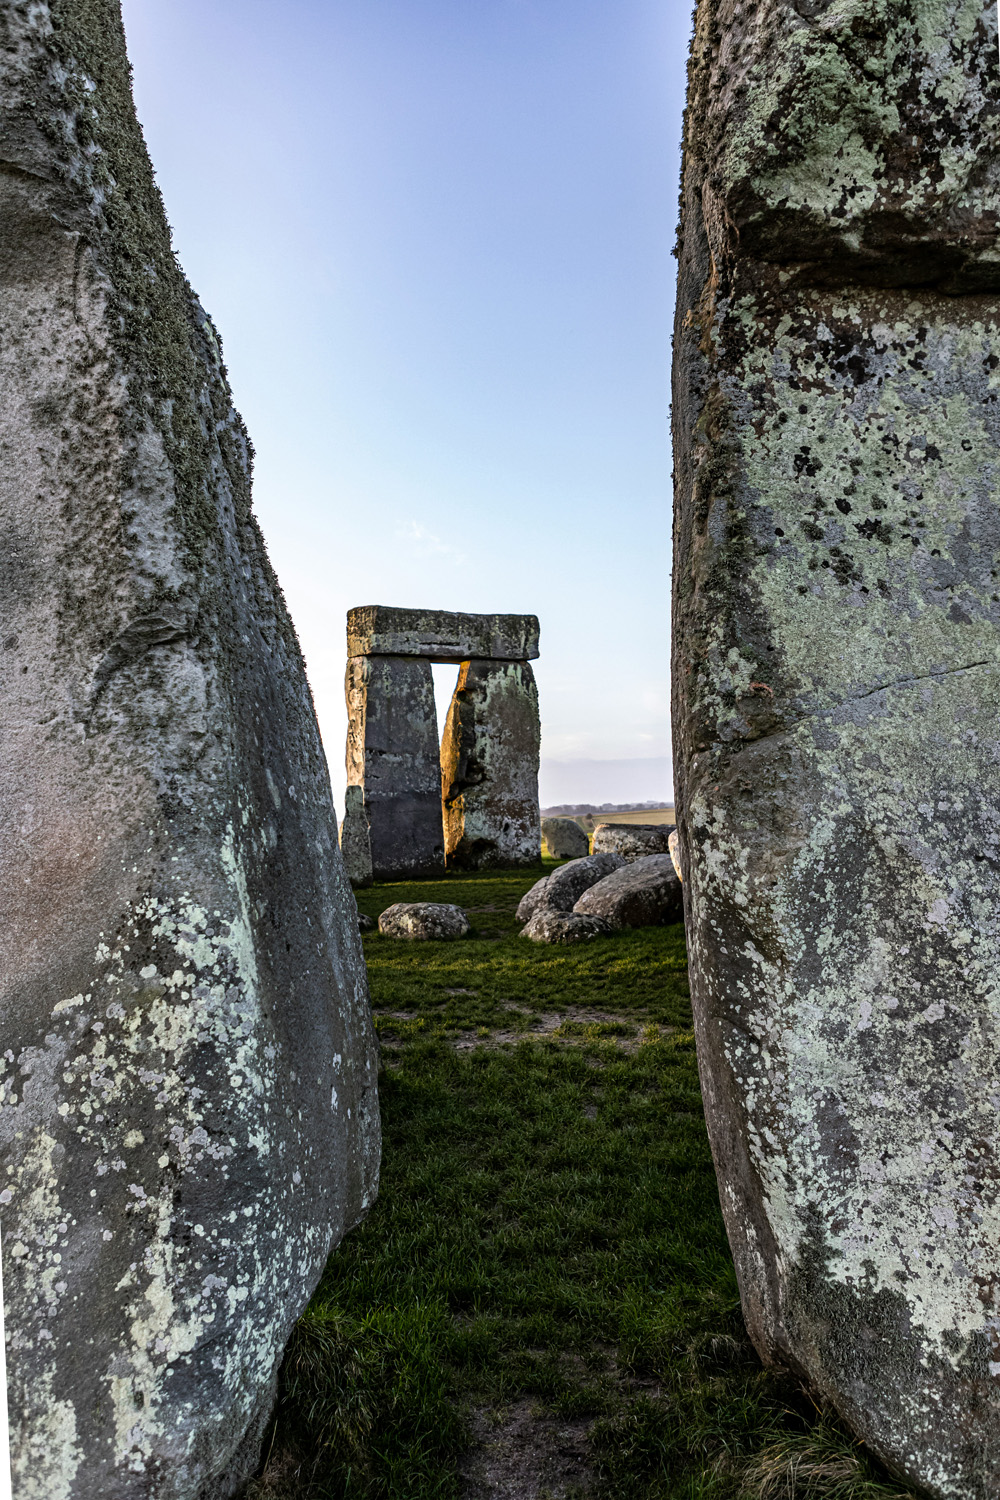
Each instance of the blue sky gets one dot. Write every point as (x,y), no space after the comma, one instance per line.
(435,237)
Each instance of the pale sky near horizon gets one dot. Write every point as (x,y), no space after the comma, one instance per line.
(435,237)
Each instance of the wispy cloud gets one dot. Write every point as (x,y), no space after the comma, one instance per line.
(426,544)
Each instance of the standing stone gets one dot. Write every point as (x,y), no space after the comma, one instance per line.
(188,1117)
(355,839)
(392,752)
(489,767)
(836,678)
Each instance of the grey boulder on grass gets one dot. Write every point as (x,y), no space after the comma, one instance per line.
(632,840)
(423,921)
(559,891)
(188,1116)
(549,926)
(646,893)
(564,838)
(836,674)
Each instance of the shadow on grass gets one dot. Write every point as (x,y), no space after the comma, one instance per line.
(547,1239)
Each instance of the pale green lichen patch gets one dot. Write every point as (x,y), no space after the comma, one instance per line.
(863,127)
(836,679)
(133,1048)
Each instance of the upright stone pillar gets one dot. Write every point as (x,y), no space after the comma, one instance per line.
(836,676)
(355,838)
(489,767)
(188,1116)
(392,752)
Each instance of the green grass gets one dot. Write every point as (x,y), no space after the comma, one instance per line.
(547,1233)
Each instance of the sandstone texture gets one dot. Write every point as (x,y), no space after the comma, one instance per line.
(188,1116)
(549,926)
(423,921)
(355,839)
(674,847)
(560,890)
(489,767)
(645,893)
(564,838)
(836,671)
(392,758)
(440,635)
(631,840)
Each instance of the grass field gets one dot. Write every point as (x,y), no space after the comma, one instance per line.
(649,815)
(542,1305)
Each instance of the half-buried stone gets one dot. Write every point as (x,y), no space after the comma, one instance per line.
(423,921)
(646,893)
(564,887)
(548,926)
(632,840)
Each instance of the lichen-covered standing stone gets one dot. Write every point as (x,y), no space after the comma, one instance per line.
(836,679)
(355,839)
(393,761)
(489,767)
(188,1117)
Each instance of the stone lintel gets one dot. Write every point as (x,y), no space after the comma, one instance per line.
(381,630)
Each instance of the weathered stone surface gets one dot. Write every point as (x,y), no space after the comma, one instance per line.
(550,926)
(564,838)
(392,752)
(489,767)
(632,840)
(836,673)
(560,890)
(853,139)
(674,846)
(423,921)
(355,840)
(188,1117)
(440,635)
(365,922)
(644,893)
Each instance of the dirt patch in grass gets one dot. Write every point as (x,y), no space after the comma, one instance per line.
(522,1453)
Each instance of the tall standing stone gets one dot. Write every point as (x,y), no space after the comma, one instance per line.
(355,838)
(836,678)
(489,767)
(392,754)
(188,1117)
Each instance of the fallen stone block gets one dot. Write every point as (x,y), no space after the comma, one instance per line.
(365,922)
(632,840)
(423,921)
(188,1113)
(564,838)
(560,890)
(548,926)
(645,893)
